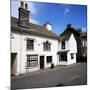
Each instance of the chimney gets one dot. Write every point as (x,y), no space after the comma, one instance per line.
(22,4)
(69,25)
(26,6)
(48,26)
(23,15)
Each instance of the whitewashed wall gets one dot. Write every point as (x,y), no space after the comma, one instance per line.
(18,44)
(73,49)
(70,45)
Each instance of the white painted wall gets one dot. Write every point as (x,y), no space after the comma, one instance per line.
(73,49)
(18,44)
(70,45)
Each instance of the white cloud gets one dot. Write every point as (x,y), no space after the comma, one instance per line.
(67,10)
(34,21)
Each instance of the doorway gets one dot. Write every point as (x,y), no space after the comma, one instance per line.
(41,62)
(13,63)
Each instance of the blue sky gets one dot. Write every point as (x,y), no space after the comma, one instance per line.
(59,15)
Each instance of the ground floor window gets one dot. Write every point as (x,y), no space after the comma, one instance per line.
(49,59)
(72,56)
(63,57)
(32,60)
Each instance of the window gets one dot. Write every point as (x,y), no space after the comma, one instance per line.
(49,59)
(30,44)
(83,43)
(32,60)
(46,46)
(63,57)
(72,56)
(63,45)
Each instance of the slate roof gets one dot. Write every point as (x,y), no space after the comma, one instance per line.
(67,33)
(33,29)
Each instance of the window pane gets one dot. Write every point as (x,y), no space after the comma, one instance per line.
(32,60)
(30,44)
(63,45)
(49,59)
(72,56)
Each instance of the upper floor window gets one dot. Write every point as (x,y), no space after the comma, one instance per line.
(72,56)
(84,43)
(47,46)
(30,44)
(63,45)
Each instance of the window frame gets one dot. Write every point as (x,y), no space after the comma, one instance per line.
(49,59)
(64,55)
(29,44)
(32,60)
(63,45)
(47,46)
(72,56)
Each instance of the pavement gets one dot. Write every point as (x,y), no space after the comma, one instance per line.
(75,74)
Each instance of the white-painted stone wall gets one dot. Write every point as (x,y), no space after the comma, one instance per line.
(18,45)
(70,45)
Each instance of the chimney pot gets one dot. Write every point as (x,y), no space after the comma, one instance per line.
(22,4)
(26,6)
(69,25)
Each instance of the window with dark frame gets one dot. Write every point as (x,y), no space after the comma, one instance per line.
(63,57)
(46,46)
(72,56)
(49,59)
(30,44)
(32,60)
(63,45)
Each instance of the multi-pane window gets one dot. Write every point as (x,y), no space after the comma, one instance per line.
(72,56)
(49,59)
(63,45)
(63,57)
(46,46)
(30,44)
(32,60)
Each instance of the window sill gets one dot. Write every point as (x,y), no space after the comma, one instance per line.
(31,67)
(49,63)
(29,50)
(46,50)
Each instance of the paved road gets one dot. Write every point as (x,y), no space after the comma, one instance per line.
(75,74)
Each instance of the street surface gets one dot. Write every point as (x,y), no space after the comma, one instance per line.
(75,74)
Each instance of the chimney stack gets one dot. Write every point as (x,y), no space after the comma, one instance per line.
(69,25)
(48,26)
(23,15)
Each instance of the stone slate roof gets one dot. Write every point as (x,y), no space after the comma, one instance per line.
(33,29)
(67,33)
(83,34)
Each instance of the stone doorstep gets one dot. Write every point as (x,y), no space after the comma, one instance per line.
(41,71)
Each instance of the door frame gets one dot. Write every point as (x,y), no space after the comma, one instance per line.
(13,63)
(42,61)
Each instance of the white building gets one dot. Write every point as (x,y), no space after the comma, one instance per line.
(34,47)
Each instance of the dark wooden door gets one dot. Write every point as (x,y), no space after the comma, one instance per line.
(41,62)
